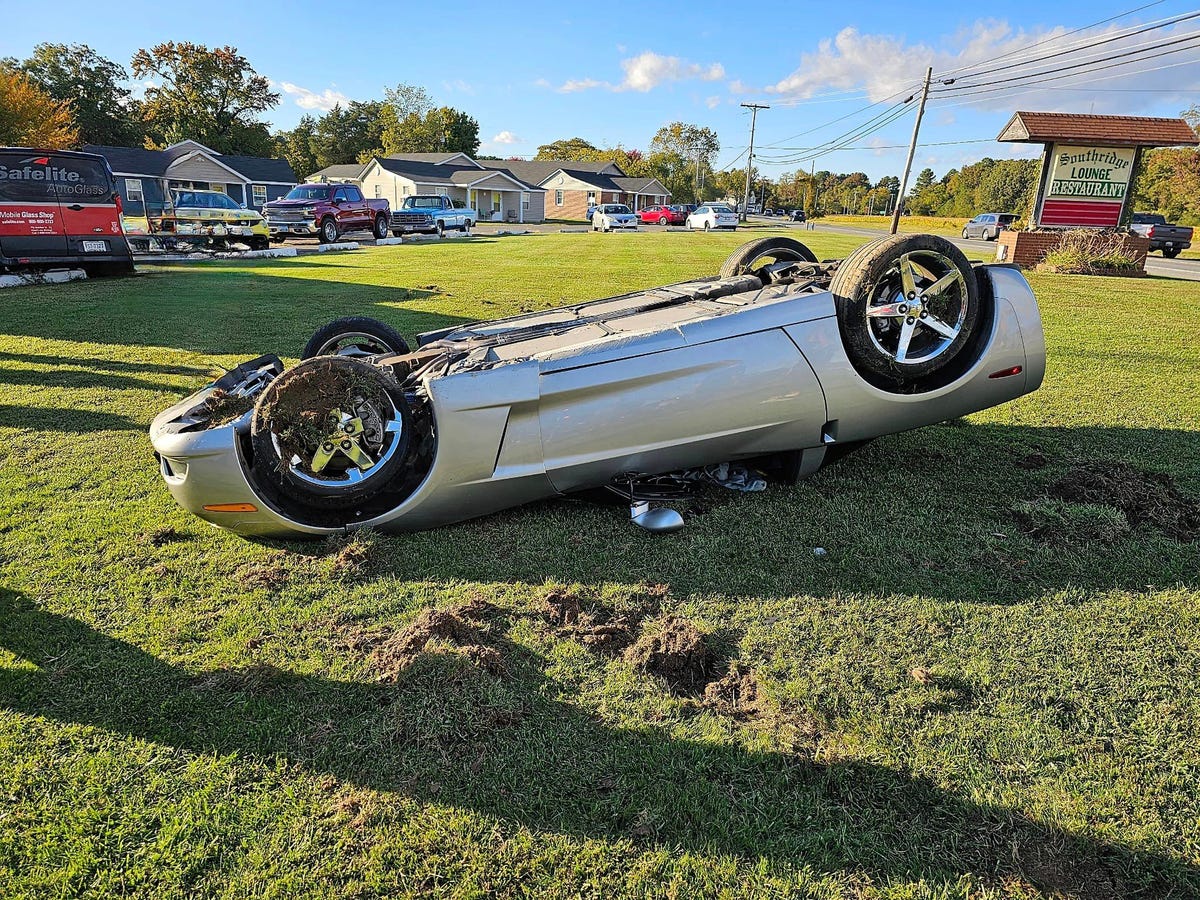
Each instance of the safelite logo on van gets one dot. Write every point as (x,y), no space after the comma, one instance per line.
(26,171)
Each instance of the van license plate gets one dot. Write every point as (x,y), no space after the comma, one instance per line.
(95,246)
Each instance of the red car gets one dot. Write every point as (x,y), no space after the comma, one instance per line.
(661,215)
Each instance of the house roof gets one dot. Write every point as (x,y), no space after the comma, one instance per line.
(340,172)
(435,173)
(536,171)
(154,163)
(1113,131)
(439,157)
(642,186)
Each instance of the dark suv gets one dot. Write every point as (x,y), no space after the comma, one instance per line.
(988,225)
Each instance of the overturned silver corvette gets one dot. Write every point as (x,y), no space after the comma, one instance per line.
(779,360)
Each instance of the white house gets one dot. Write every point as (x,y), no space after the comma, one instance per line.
(498,195)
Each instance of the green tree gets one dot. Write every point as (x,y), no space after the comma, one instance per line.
(211,96)
(681,156)
(298,147)
(1168,182)
(571,148)
(442,129)
(351,133)
(104,110)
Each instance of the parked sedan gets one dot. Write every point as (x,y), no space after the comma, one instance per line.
(662,215)
(988,225)
(798,215)
(613,215)
(712,216)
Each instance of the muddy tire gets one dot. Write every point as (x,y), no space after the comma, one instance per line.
(908,306)
(354,336)
(329,230)
(765,251)
(381,227)
(334,462)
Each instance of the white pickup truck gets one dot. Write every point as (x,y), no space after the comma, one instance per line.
(432,214)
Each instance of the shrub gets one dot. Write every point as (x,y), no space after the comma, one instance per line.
(1084,251)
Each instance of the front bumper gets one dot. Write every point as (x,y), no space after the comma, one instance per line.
(305,226)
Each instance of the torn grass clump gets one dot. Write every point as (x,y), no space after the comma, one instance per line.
(1144,498)
(676,652)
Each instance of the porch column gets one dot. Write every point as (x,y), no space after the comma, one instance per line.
(521,207)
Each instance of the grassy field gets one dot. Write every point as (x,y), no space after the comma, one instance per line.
(949,227)
(976,692)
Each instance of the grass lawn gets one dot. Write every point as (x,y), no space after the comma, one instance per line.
(950,227)
(944,705)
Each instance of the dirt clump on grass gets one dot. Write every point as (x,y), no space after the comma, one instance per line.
(159,537)
(457,629)
(598,627)
(736,694)
(351,554)
(268,573)
(1145,498)
(676,652)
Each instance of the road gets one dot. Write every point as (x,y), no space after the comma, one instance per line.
(1187,269)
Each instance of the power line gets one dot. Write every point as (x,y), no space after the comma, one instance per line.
(960,90)
(842,141)
(1084,44)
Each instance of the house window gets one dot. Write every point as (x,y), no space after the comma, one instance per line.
(558,200)
(378,190)
(524,200)
(133,190)
(591,198)
(218,186)
(258,193)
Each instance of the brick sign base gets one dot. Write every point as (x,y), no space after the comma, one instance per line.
(1028,248)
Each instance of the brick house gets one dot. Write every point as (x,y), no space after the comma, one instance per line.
(572,186)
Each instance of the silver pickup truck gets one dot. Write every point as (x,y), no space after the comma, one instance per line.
(432,214)
(1170,239)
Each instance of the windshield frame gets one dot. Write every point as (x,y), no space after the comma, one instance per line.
(309,192)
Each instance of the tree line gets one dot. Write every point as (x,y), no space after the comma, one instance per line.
(67,95)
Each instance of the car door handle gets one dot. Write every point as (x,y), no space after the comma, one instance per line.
(75,206)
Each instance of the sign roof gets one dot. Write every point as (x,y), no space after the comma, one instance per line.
(1108,131)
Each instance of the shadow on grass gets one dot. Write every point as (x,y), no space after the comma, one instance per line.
(273,312)
(949,533)
(451,733)
(105,365)
(71,421)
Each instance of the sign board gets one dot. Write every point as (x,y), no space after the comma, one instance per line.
(1086,185)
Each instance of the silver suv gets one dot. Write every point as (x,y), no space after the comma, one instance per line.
(988,225)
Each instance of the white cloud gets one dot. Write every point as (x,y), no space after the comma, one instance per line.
(306,99)
(506,137)
(458,85)
(542,83)
(737,86)
(881,65)
(712,102)
(583,84)
(646,71)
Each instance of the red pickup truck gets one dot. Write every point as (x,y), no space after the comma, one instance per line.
(328,211)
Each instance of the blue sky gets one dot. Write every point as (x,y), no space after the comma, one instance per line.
(532,72)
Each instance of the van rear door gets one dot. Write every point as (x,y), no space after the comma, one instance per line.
(87,196)
(31,222)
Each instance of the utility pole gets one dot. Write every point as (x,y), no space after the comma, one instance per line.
(912,149)
(699,183)
(754,108)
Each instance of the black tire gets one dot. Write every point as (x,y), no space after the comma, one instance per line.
(467,226)
(440,228)
(329,230)
(707,226)
(870,278)
(381,227)
(1170,254)
(663,220)
(780,249)
(326,490)
(966,236)
(259,242)
(378,337)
